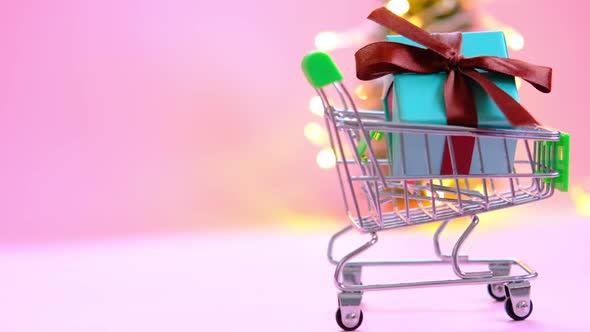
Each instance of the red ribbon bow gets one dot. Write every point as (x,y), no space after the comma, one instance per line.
(443,53)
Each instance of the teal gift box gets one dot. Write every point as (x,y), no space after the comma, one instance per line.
(418,99)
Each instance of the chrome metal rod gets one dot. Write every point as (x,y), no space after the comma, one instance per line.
(455,254)
(348,257)
(333,240)
(436,240)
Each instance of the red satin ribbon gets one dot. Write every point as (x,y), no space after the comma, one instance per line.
(443,53)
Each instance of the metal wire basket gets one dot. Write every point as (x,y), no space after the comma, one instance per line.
(382,191)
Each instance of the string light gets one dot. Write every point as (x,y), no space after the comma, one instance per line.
(315,133)
(326,159)
(398,7)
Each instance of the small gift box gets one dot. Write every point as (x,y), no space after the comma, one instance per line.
(460,79)
(419,99)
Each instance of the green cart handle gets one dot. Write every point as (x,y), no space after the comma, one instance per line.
(320,70)
(562,164)
(562,160)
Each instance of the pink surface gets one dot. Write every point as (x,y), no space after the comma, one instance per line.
(126,117)
(280,280)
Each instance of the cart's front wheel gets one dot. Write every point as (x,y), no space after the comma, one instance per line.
(497,291)
(346,327)
(524,309)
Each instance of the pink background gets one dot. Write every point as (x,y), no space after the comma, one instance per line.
(154,175)
(135,117)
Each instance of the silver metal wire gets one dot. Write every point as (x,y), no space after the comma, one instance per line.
(380,195)
(403,197)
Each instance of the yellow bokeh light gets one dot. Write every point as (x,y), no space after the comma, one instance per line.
(304,223)
(361,92)
(326,159)
(415,20)
(518,82)
(472,184)
(315,133)
(326,41)
(581,200)
(515,40)
(316,106)
(398,7)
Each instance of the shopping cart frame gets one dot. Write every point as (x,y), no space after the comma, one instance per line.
(545,156)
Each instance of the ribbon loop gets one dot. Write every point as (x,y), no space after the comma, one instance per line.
(443,53)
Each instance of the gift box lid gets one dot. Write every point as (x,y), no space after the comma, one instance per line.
(419,97)
(491,43)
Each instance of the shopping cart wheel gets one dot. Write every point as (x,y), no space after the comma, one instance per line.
(524,309)
(497,291)
(344,326)
(518,305)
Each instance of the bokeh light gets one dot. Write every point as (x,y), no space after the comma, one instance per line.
(399,7)
(315,133)
(326,159)
(580,193)
(518,82)
(515,40)
(361,92)
(326,41)
(415,20)
(316,106)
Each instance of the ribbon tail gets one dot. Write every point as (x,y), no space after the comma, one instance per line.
(538,76)
(461,111)
(459,102)
(514,112)
(460,159)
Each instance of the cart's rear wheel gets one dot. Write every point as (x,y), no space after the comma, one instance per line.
(348,328)
(527,310)
(497,291)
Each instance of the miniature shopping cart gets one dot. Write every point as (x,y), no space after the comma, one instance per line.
(378,199)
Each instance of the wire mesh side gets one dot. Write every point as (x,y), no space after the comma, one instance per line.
(382,190)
